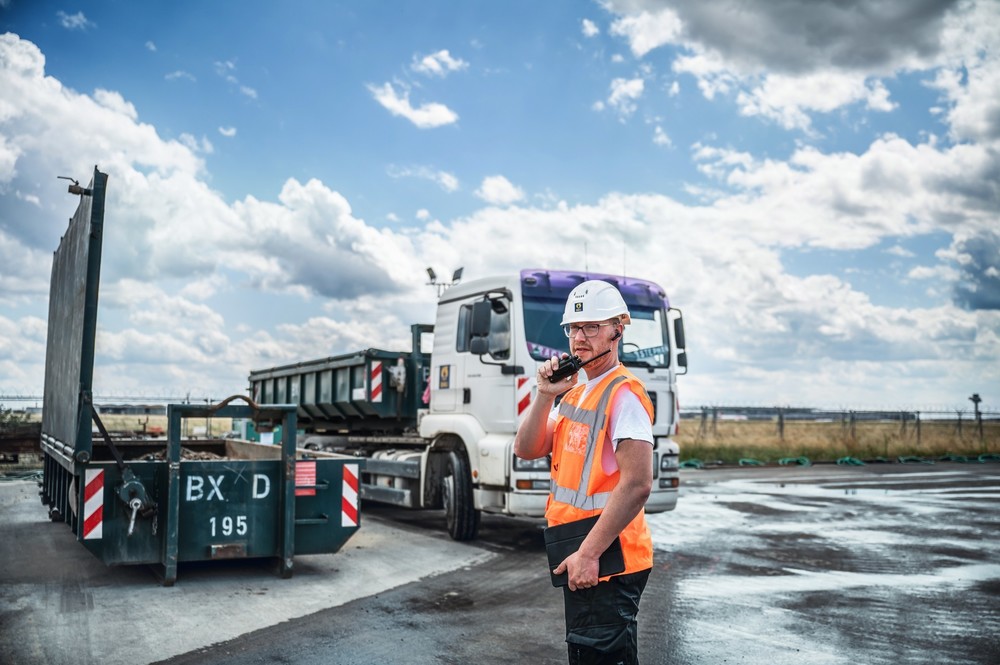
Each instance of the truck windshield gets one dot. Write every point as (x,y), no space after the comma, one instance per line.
(646,342)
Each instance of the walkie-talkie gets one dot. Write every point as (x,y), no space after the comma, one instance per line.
(571,365)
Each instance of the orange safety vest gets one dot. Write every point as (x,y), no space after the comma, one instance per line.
(580,487)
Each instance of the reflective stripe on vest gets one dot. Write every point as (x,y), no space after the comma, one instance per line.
(594,420)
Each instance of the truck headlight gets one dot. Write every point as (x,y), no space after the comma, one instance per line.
(540,464)
(668,462)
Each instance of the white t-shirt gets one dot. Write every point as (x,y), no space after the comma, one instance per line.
(629,420)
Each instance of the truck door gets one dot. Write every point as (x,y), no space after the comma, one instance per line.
(447,365)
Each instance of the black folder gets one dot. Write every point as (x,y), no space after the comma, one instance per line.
(565,539)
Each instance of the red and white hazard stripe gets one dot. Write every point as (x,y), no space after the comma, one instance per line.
(349,502)
(376,381)
(523,397)
(93,504)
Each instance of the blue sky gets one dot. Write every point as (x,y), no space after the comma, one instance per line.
(815,184)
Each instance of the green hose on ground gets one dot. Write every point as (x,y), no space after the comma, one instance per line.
(749,461)
(850,461)
(692,464)
(904,459)
(801,461)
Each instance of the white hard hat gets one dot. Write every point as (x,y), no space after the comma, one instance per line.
(595,300)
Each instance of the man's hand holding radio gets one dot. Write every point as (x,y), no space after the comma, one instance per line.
(557,375)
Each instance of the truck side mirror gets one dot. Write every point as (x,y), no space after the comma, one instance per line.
(489,329)
(480,324)
(682,356)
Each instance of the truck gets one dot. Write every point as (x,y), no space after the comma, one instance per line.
(436,430)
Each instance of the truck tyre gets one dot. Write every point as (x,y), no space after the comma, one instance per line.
(456,491)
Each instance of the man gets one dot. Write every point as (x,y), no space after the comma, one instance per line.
(601,441)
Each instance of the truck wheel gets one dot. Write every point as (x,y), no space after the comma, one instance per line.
(456,491)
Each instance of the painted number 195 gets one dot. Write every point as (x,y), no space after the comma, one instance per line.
(227,525)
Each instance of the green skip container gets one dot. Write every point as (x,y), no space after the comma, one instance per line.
(166,502)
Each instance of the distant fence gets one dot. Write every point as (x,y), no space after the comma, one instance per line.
(910,423)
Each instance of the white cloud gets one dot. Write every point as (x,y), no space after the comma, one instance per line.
(589,28)
(169,222)
(660,137)
(29,198)
(150,46)
(902,252)
(624,93)
(790,100)
(786,62)
(25,274)
(226,69)
(939,272)
(228,132)
(497,190)
(877,98)
(447,181)
(892,189)
(646,31)
(179,74)
(115,102)
(9,154)
(22,343)
(423,214)
(438,64)
(206,287)
(971,77)
(425,116)
(75,21)
(204,145)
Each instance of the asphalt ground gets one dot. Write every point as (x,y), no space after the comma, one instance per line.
(895,563)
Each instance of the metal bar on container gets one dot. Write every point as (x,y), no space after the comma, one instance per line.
(287,504)
(170,544)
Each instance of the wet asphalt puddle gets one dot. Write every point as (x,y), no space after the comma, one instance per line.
(830,566)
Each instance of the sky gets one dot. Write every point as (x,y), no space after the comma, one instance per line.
(815,183)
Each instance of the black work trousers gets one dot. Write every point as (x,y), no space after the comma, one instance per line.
(601,622)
